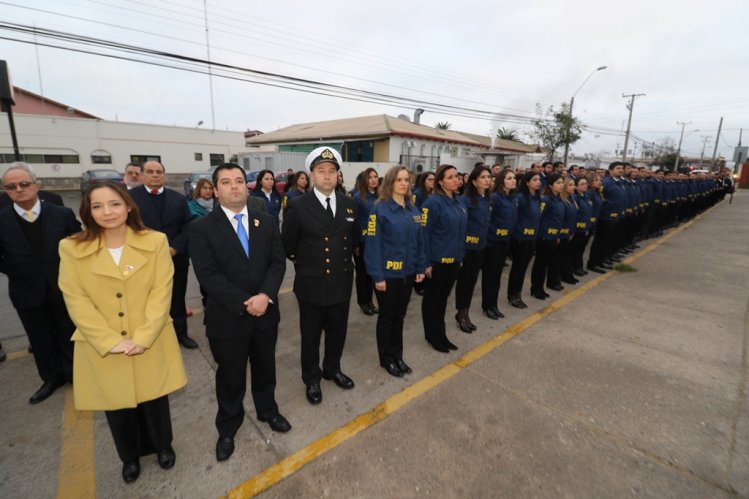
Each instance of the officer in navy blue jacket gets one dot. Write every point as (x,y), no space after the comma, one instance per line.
(365,194)
(166,210)
(504,213)
(444,220)
(478,209)
(524,235)
(552,219)
(612,210)
(394,255)
(319,234)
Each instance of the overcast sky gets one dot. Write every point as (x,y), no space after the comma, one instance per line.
(689,57)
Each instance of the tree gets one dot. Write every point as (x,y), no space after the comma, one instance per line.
(443,125)
(509,134)
(555,128)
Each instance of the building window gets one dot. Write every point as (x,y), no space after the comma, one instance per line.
(246,163)
(269,163)
(141,159)
(62,158)
(216,159)
(198,156)
(101,159)
(34,158)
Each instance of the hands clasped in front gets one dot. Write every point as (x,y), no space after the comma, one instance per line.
(128,347)
(257,305)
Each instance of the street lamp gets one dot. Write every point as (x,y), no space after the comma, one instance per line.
(572,102)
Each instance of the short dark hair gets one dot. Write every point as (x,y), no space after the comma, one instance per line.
(226,166)
(615,164)
(138,165)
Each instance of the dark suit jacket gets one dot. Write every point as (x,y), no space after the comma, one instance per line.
(229,277)
(321,248)
(172,222)
(255,203)
(33,279)
(44,197)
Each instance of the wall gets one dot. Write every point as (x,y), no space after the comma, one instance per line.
(55,135)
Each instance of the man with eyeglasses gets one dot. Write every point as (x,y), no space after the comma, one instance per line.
(30,232)
(132,175)
(165,210)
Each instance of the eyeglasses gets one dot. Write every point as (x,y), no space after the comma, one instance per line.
(22,185)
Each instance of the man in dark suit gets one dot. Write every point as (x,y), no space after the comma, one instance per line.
(30,232)
(238,259)
(166,211)
(319,233)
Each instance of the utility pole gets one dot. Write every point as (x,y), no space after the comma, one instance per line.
(715,150)
(705,138)
(210,67)
(630,106)
(678,149)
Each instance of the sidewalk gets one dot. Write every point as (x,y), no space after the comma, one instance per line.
(627,384)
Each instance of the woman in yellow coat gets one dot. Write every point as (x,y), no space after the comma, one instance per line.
(116,277)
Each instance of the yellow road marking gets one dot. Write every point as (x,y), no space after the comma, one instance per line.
(77,476)
(17,355)
(288,466)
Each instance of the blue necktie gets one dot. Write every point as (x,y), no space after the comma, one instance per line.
(242,235)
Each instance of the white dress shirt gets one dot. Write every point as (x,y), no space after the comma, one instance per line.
(36,209)
(321,197)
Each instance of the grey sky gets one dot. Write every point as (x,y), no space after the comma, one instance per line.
(689,57)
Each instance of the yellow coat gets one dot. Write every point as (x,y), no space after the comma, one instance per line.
(108,304)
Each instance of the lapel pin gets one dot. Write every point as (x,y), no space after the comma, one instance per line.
(349,210)
(256,222)
(129,268)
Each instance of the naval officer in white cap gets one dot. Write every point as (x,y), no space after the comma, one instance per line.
(319,233)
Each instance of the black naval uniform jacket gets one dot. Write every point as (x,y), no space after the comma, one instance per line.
(321,248)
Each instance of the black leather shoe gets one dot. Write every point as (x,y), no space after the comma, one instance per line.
(403,366)
(340,379)
(373,309)
(419,291)
(489,312)
(439,347)
(463,323)
(607,266)
(579,272)
(538,295)
(187,342)
(3,355)
(366,310)
(570,280)
(224,448)
(392,369)
(556,287)
(450,345)
(278,423)
(498,313)
(47,389)
(314,394)
(166,457)
(597,270)
(131,471)
(517,302)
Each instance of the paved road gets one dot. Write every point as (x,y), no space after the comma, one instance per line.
(628,385)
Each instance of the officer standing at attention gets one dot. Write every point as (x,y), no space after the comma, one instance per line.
(319,233)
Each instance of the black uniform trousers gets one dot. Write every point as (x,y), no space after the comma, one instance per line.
(495,256)
(393,303)
(434,303)
(522,251)
(604,242)
(578,244)
(49,329)
(545,249)
(232,355)
(565,253)
(467,277)
(177,310)
(364,284)
(142,430)
(554,268)
(313,319)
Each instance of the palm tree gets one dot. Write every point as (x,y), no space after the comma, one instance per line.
(443,125)
(508,134)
